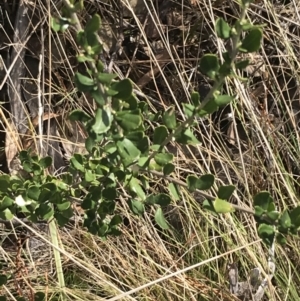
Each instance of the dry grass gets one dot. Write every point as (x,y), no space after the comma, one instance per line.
(256,147)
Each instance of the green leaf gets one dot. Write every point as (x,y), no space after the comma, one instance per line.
(36,169)
(209,65)
(137,207)
(61,219)
(242,64)
(106,207)
(4,183)
(45,195)
(81,58)
(273,215)
(195,97)
(59,24)
(169,118)
(205,182)
(89,144)
(174,191)
(39,296)
(93,24)
(225,69)
(83,83)
(55,24)
(115,221)
(222,206)
(136,188)
(3,279)
(266,233)
(281,240)
(45,211)
(33,192)
(263,199)
(160,219)
(209,108)
(6,203)
(168,169)
(285,220)
(209,205)
(77,162)
(6,215)
(124,88)
(247,25)
(106,78)
(188,109)
(94,47)
(89,176)
(103,120)
(129,120)
(3,298)
(132,103)
(79,115)
(252,41)
(98,97)
(63,206)
(109,193)
(163,158)
(161,199)
(186,137)
(154,166)
(102,230)
(160,134)
(128,150)
(51,186)
(223,100)
(191,183)
(222,29)
(295,216)
(225,192)
(45,162)
(24,156)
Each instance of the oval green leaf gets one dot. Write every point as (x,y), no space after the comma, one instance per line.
(222,206)
(225,192)
(6,203)
(93,24)
(209,65)
(6,215)
(169,118)
(222,29)
(252,41)
(161,199)
(191,182)
(137,207)
(163,158)
(168,169)
(160,219)
(103,120)
(205,182)
(160,134)
(123,87)
(3,279)
(83,83)
(223,100)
